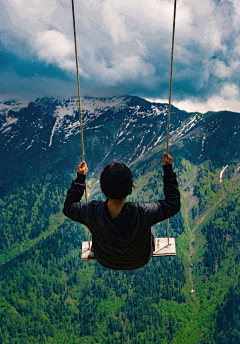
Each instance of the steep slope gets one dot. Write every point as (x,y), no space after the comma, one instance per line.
(46,293)
(119,128)
(126,128)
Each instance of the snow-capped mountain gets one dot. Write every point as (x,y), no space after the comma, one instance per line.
(127,128)
(58,120)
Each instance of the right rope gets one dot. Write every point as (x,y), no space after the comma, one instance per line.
(170,90)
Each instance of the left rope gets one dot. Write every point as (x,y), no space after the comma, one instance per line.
(79,101)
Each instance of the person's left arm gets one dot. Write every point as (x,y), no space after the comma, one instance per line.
(73,208)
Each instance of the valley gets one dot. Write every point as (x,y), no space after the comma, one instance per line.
(48,295)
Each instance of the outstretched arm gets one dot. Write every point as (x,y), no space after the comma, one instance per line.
(73,208)
(163,209)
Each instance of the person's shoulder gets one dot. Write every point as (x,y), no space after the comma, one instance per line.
(94,206)
(95,203)
(137,205)
(145,206)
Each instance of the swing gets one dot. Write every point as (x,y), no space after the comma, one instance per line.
(163,246)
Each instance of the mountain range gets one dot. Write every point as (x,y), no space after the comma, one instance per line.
(190,298)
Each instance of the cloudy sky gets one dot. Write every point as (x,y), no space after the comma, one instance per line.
(124,48)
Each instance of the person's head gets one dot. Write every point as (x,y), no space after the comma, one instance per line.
(116,180)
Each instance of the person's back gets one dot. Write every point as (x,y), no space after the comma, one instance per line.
(122,233)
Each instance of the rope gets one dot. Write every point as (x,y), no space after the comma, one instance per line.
(79,101)
(170,90)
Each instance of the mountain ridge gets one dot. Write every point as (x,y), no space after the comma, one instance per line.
(143,125)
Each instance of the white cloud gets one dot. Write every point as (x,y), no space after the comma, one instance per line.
(190,105)
(54,47)
(230,91)
(128,42)
(236,6)
(227,99)
(114,21)
(220,69)
(127,68)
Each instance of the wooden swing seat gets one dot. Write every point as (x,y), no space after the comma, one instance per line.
(161,250)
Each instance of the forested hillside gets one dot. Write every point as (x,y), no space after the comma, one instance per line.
(48,295)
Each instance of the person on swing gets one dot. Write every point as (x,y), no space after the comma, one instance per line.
(122,234)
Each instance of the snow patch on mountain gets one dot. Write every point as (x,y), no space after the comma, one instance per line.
(30,145)
(72,129)
(120,134)
(9,121)
(5,130)
(53,130)
(91,109)
(95,105)
(139,145)
(187,126)
(7,124)
(156,111)
(203,140)
(5,107)
(65,109)
(89,105)
(158,140)
(221,173)
(120,141)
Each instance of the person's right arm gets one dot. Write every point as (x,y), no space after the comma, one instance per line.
(73,207)
(163,209)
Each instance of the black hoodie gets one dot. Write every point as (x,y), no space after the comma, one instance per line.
(127,249)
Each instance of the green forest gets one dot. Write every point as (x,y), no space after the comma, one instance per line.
(48,295)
